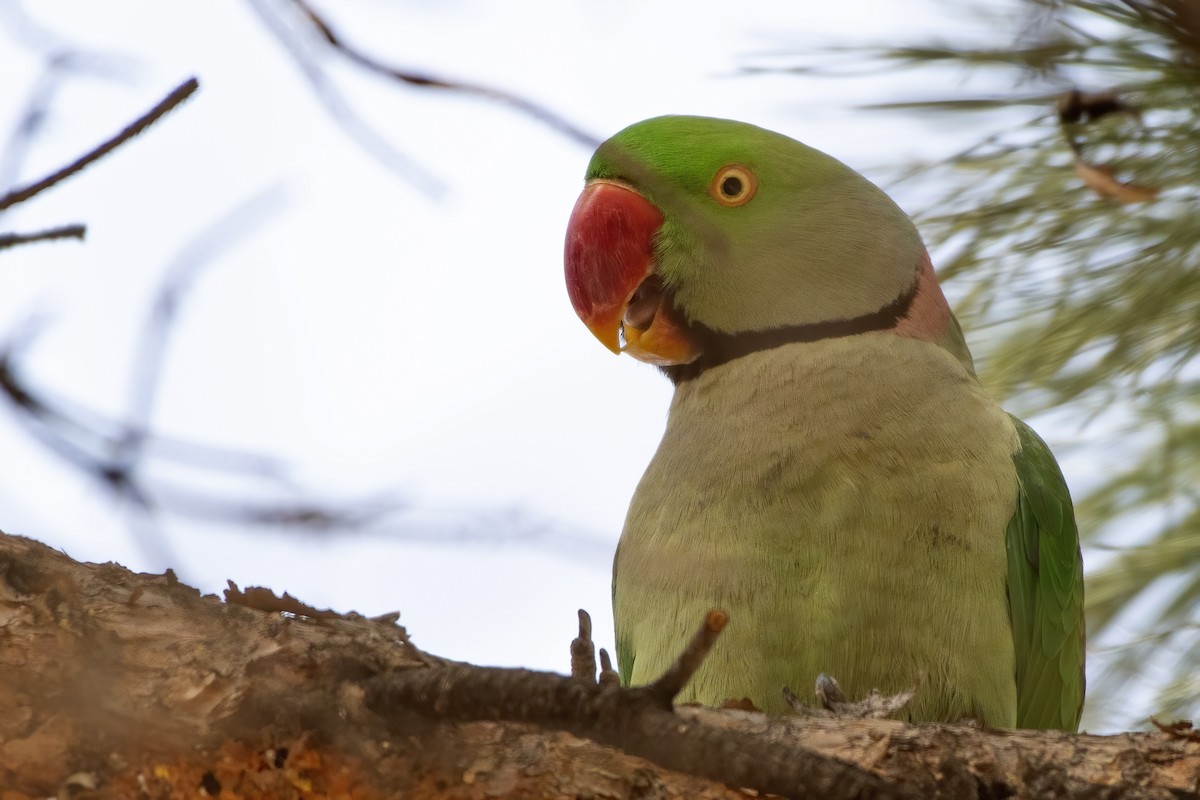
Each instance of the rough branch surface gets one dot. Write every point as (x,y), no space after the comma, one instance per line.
(123,685)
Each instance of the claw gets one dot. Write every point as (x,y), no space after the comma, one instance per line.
(833,702)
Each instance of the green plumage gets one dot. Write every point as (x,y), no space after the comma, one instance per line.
(857,503)
(809,206)
(1045,591)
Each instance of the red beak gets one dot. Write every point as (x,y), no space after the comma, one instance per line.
(609,257)
(609,252)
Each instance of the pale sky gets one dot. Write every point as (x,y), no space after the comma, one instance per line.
(376,339)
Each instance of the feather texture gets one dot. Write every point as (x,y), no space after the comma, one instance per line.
(1045,590)
(845,501)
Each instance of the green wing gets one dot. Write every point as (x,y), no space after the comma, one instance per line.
(1045,591)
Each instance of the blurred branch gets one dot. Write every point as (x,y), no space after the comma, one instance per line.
(126,456)
(424,80)
(113,453)
(341,111)
(59,66)
(121,457)
(97,448)
(1178,19)
(344,114)
(63,59)
(155,339)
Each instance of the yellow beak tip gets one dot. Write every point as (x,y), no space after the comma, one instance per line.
(608,331)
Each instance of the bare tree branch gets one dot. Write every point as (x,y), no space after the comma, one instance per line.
(141,682)
(633,720)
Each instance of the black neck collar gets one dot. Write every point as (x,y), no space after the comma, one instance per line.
(719,348)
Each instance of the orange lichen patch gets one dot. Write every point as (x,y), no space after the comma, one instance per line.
(236,771)
(740,703)
(263,599)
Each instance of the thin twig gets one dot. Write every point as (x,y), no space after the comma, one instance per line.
(63,61)
(171,101)
(671,682)
(75,231)
(521,104)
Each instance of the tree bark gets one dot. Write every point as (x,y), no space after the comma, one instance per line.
(122,685)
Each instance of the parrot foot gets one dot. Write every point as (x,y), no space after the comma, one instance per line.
(583,657)
(834,702)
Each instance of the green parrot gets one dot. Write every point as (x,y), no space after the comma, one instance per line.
(832,473)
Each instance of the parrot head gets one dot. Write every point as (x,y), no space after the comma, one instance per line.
(692,233)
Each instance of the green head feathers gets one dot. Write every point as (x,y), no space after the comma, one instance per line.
(815,241)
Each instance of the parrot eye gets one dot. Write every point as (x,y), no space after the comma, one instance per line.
(733,185)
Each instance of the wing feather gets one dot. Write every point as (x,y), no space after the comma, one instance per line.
(1045,591)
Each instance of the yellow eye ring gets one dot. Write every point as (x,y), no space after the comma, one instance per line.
(733,185)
